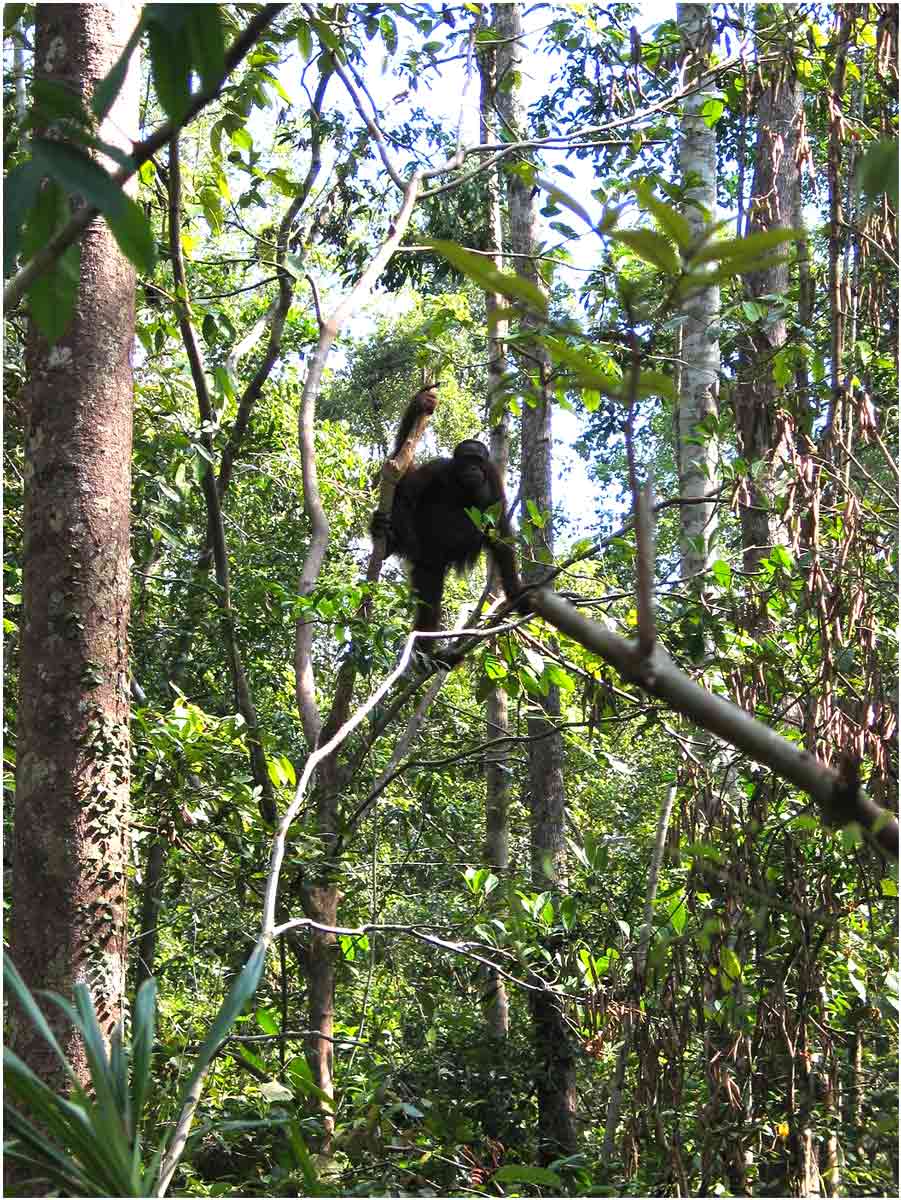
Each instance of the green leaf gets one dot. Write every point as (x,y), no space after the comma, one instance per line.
(52,295)
(583,368)
(14,983)
(302,1157)
(242,139)
(389,33)
(267,1021)
(678,915)
(877,171)
(779,556)
(170,58)
(142,1035)
(109,87)
(730,963)
(305,42)
(20,191)
(33,1096)
(300,1072)
(722,573)
(240,992)
(746,249)
(206,37)
(487,276)
(106,1114)
(134,236)
(649,245)
(558,195)
(561,678)
(540,1176)
(11,14)
(55,101)
(711,111)
(668,218)
(698,280)
(79,174)
(51,298)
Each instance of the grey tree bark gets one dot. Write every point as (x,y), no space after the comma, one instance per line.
(775,202)
(72,779)
(497,775)
(699,392)
(555,1060)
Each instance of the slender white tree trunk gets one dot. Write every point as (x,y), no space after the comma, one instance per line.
(699,395)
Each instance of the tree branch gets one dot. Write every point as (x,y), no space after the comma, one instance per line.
(25,277)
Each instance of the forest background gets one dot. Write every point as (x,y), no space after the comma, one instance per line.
(327,921)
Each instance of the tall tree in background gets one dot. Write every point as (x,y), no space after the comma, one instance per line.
(555,1062)
(775,202)
(700,355)
(497,771)
(72,779)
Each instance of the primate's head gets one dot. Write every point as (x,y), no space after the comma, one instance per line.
(476,472)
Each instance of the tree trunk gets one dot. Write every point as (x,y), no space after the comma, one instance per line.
(72,780)
(497,774)
(555,1061)
(321,904)
(775,202)
(699,394)
(151,900)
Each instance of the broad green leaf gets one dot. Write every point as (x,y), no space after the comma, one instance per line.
(558,195)
(53,101)
(11,14)
(20,191)
(305,42)
(487,276)
(668,218)
(877,171)
(653,247)
(698,280)
(170,58)
(328,37)
(240,992)
(586,374)
(560,677)
(267,1021)
(52,296)
(302,1156)
(15,984)
(134,236)
(206,37)
(109,87)
(300,1072)
(143,1031)
(80,174)
(730,963)
(389,33)
(747,248)
(711,111)
(248,1056)
(722,573)
(540,1176)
